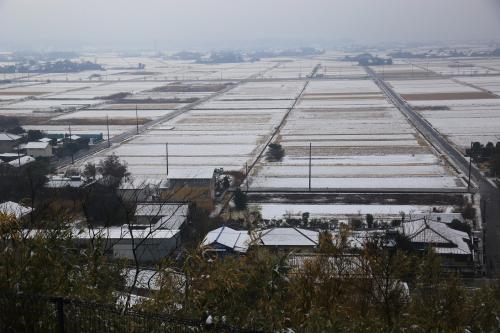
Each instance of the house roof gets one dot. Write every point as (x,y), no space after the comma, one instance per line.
(36,145)
(45,140)
(202,173)
(14,209)
(139,183)
(237,240)
(161,209)
(289,237)
(23,160)
(124,232)
(4,136)
(444,239)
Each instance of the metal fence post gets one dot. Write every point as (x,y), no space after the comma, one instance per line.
(60,314)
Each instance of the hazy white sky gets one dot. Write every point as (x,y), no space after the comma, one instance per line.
(239,23)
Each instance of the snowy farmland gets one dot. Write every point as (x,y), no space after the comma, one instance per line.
(223,115)
(462,109)
(358,141)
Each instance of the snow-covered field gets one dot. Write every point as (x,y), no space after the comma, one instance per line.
(279,211)
(462,121)
(358,141)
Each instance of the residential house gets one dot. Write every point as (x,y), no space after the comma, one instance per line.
(289,239)
(455,247)
(39,149)
(8,142)
(225,240)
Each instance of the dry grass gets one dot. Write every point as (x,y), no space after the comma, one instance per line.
(97,121)
(164,106)
(22,93)
(349,151)
(448,96)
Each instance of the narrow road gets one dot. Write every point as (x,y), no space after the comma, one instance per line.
(490,195)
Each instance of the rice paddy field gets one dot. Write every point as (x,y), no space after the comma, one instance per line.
(224,115)
(463,106)
(357,140)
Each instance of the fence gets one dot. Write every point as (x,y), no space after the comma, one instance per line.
(34,313)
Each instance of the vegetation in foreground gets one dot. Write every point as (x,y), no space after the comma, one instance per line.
(378,290)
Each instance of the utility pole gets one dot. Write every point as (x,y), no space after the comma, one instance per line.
(107,127)
(470,166)
(166,155)
(19,155)
(136,120)
(246,174)
(310,157)
(71,146)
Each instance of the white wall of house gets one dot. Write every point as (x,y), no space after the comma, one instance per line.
(40,152)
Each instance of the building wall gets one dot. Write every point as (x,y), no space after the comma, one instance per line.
(200,193)
(47,152)
(7,146)
(150,251)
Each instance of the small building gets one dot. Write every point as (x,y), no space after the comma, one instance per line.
(147,245)
(289,239)
(187,185)
(14,209)
(8,142)
(161,215)
(225,240)
(39,149)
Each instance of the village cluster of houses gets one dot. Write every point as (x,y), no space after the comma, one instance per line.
(16,152)
(155,234)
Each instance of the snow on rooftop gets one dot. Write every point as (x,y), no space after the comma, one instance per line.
(23,160)
(238,240)
(289,237)
(36,145)
(444,239)
(8,137)
(137,183)
(124,232)
(161,210)
(14,209)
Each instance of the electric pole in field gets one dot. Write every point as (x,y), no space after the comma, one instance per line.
(470,166)
(166,156)
(136,120)
(71,145)
(246,174)
(310,157)
(107,127)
